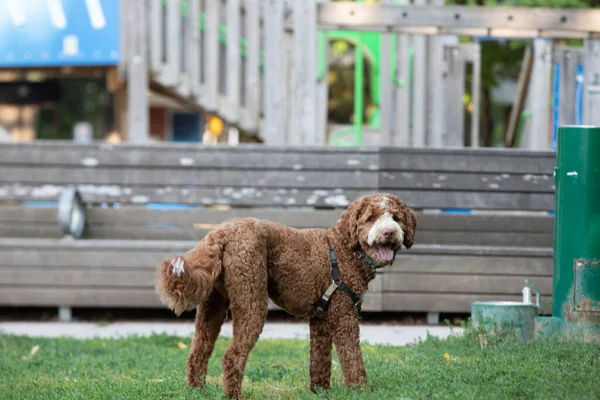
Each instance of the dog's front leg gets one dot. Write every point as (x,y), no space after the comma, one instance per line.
(343,322)
(320,353)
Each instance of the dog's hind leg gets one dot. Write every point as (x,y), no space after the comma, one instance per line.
(246,283)
(320,354)
(209,318)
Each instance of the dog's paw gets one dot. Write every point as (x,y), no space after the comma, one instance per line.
(177,266)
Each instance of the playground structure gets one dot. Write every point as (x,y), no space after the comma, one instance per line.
(418,69)
(266,73)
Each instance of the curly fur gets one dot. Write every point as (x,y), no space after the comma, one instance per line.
(244,262)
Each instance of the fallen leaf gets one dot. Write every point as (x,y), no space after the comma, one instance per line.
(182,345)
(34,350)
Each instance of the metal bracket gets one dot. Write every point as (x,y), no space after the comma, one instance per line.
(71,213)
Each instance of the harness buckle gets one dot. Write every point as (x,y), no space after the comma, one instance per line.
(358,304)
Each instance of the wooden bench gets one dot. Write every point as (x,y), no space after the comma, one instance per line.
(145,203)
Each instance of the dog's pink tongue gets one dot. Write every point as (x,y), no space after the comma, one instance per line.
(386,253)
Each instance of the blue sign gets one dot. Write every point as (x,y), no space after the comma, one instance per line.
(49,33)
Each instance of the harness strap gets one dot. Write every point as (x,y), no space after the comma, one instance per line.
(323,303)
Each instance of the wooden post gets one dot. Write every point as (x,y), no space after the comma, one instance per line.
(195,58)
(274,113)
(210,97)
(476,94)
(455,59)
(137,74)
(568,59)
(401,131)
(419,91)
(230,109)
(322,87)
(537,136)
(386,86)
(591,92)
(304,73)
(169,72)
(250,113)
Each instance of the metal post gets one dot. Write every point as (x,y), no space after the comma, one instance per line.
(576,286)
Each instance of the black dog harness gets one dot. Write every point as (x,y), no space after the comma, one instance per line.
(323,303)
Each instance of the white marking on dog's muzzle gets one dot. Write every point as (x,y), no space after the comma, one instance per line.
(177,266)
(385,222)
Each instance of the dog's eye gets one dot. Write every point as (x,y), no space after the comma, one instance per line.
(371,218)
(395,218)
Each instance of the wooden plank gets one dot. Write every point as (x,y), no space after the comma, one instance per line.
(80,297)
(463,284)
(322,86)
(137,75)
(136,215)
(83,276)
(124,37)
(457,19)
(86,257)
(188,56)
(169,73)
(542,183)
(477,200)
(485,238)
(304,73)
(500,223)
(591,91)
(300,218)
(435,85)
(196,51)
(230,109)
(109,297)
(540,91)
(190,177)
(419,115)
(476,94)
(489,250)
(386,85)
(104,245)
(179,155)
(23,214)
(252,86)
(468,160)
(156,35)
(210,97)
(453,94)
(512,265)
(432,302)
(274,123)
(568,60)
(21,230)
(242,196)
(402,132)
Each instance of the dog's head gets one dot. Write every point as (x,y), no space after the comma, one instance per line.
(379,225)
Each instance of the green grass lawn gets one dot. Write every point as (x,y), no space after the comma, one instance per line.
(154,368)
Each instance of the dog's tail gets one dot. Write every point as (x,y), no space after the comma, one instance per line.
(185,282)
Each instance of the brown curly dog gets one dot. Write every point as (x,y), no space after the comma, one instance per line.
(244,262)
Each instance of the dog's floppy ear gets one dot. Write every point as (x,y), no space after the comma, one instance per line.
(409,218)
(348,223)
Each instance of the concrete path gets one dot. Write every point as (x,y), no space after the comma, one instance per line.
(397,335)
